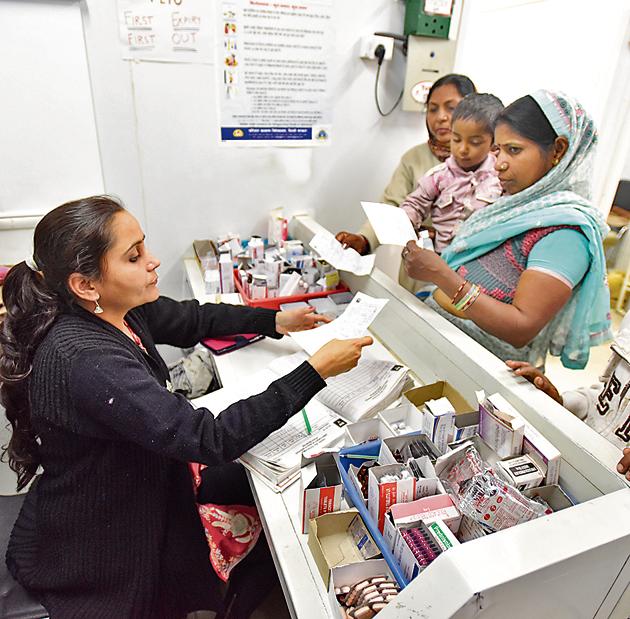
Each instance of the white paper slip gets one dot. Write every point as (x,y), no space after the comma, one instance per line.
(344,259)
(390,223)
(354,322)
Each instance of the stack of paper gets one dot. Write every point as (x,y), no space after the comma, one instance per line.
(277,459)
(360,393)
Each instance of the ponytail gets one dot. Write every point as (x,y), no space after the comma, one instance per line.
(72,238)
(31,310)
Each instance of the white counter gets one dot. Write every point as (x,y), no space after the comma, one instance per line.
(574,563)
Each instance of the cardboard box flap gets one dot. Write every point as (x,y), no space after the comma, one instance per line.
(331,543)
(435,391)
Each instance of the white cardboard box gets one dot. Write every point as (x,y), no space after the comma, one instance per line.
(368,429)
(537,446)
(314,500)
(500,426)
(439,421)
(382,495)
(402,419)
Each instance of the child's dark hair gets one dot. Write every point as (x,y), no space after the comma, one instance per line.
(526,118)
(481,108)
(463,84)
(72,238)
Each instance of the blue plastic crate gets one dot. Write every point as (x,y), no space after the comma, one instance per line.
(344,460)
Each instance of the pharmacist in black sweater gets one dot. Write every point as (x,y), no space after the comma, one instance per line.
(110,527)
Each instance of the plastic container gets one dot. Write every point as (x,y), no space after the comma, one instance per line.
(344,460)
(275,302)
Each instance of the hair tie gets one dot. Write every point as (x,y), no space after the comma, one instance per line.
(31,264)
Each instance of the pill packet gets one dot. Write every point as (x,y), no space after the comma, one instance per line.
(463,469)
(496,504)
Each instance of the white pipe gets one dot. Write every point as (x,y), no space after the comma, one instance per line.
(19,222)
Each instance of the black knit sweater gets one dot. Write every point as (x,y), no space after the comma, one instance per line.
(111,527)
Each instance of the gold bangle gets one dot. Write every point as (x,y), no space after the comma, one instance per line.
(458,291)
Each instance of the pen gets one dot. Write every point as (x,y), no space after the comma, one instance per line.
(361,456)
(307,423)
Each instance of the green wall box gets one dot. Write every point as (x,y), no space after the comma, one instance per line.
(418,23)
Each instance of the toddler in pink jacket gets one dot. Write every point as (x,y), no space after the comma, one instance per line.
(467,180)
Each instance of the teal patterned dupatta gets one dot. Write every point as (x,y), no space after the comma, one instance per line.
(561,197)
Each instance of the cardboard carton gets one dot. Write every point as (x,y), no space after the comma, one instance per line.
(317,499)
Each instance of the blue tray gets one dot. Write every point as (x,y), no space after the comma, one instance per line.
(344,460)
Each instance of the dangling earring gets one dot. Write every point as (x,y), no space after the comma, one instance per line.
(98,309)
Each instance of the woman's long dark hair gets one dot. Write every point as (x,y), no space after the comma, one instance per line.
(72,238)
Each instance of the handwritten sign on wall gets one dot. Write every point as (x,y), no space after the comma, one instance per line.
(166,30)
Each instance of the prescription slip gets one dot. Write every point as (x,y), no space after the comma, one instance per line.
(316,499)
(353,323)
(391,224)
(342,258)
(332,543)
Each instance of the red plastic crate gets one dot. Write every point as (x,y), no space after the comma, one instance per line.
(275,303)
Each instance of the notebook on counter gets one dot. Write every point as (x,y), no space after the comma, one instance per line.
(228,343)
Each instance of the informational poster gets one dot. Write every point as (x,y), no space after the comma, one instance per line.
(167,30)
(274,72)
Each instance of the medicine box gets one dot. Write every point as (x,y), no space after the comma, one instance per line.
(423,446)
(439,506)
(402,419)
(331,542)
(466,426)
(521,471)
(537,446)
(435,530)
(318,499)
(358,473)
(500,426)
(383,494)
(349,575)
(366,430)
(434,391)
(426,485)
(439,421)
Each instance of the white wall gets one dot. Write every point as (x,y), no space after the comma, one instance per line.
(513,47)
(157,129)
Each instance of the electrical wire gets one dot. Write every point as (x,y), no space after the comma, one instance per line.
(380,57)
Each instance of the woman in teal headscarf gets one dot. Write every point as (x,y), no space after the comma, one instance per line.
(526,275)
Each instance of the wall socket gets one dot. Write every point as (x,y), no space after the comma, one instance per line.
(370,42)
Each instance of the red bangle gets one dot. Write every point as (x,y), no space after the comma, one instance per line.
(458,291)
